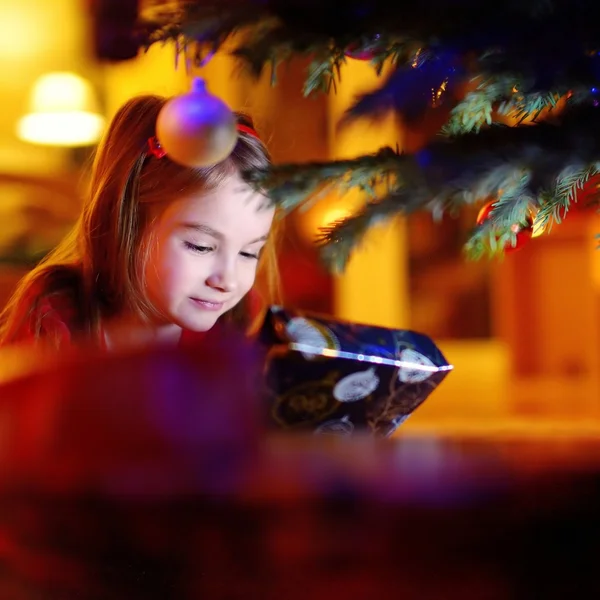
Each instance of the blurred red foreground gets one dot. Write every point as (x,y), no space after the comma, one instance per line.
(149,475)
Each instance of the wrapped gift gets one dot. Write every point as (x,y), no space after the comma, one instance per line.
(337,377)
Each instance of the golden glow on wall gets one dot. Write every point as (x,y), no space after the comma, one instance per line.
(63,112)
(324,213)
(374,286)
(42,31)
(23,33)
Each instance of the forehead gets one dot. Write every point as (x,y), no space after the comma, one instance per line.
(233,209)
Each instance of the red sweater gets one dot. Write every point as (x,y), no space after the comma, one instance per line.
(56,323)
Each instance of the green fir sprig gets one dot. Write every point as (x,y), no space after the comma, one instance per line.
(541,53)
(521,167)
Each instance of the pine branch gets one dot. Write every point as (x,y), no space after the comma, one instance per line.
(525,55)
(200,23)
(323,71)
(512,207)
(530,106)
(460,169)
(509,26)
(571,181)
(507,95)
(340,239)
(459,23)
(476,108)
(520,166)
(422,81)
(290,185)
(497,46)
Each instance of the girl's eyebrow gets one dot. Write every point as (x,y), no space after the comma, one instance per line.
(217,234)
(204,229)
(263,238)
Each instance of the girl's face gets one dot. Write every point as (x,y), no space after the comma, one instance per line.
(205,253)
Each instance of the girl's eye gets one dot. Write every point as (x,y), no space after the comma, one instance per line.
(249,255)
(197,248)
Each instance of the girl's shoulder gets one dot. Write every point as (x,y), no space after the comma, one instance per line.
(55,315)
(55,319)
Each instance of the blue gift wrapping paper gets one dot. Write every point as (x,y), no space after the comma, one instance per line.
(336,377)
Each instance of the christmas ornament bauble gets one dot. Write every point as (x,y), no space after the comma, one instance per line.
(523,233)
(485,212)
(352,52)
(523,236)
(363,51)
(196,129)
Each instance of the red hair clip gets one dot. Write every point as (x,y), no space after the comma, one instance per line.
(155,148)
(158,151)
(248,130)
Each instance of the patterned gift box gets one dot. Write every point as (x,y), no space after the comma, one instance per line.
(336,377)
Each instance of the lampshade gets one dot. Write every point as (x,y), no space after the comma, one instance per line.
(63,111)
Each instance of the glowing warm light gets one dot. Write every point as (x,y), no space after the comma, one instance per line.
(63,112)
(25,30)
(538,228)
(437,94)
(334,215)
(415,62)
(323,215)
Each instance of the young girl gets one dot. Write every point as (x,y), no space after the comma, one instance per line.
(159,249)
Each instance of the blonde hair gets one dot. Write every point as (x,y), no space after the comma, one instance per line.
(100,265)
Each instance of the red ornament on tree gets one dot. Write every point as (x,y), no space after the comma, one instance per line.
(364,51)
(351,52)
(485,211)
(523,233)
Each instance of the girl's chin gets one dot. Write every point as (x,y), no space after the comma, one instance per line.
(199,324)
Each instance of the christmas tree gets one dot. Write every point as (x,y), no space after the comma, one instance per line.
(536,62)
